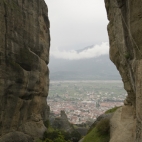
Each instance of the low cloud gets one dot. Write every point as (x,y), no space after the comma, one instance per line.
(95,51)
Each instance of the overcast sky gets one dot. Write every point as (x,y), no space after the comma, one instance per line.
(75,24)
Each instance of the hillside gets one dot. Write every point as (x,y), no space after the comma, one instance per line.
(99,68)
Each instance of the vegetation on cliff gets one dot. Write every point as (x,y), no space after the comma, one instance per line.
(100,129)
(100,133)
(58,135)
(111,110)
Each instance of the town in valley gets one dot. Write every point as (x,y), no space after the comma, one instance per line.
(84,101)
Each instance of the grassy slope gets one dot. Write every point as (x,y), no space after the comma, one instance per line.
(112,110)
(94,136)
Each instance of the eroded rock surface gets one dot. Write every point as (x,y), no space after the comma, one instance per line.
(125,36)
(123,125)
(62,123)
(24,55)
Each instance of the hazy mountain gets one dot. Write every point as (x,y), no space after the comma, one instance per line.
(86,48)
(99,68)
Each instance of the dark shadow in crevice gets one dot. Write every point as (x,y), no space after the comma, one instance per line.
(25,66)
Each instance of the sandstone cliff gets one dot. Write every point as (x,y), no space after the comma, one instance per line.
(125,36)
(62,123)
(24,55)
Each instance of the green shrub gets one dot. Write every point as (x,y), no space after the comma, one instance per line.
(67,135)
(103,127)
(128,56)
(47,140)
(95,136)
(47,123)
(100,132)
(55,135)
(52,135)
(59,140)
(112,110)
(75,136)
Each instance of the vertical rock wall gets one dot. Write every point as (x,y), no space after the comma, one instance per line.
(125,36)
(24,55)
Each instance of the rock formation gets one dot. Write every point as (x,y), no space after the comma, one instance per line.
(62,123)
(24,55)
(125,37)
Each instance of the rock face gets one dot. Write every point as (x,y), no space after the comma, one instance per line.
(62,123)
(125,36)
(123,125)
(24,55)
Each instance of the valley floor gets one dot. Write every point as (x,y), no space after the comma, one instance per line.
(84,100)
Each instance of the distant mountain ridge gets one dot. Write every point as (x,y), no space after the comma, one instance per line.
(99,68)
(88,47)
